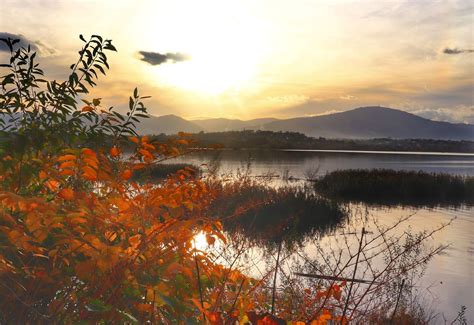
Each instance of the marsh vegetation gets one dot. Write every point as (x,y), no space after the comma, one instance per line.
(390,187)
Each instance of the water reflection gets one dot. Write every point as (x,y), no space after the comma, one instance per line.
(289,215)
(443,286)
(446,284)
(297,163)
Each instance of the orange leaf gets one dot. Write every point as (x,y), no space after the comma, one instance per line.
(67,172)
(89,173)
(210,239)
(43,175)
(134,241)
(269,320)
(111,235)
(88,152)
(114,152)
(134,139)
(52,184)
(67,164)
(87,109)
(66,157)
(148,146)
(66,193)
(144,307)
(127,174)
(146,154)
(215,318)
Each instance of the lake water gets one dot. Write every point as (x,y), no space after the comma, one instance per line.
(298,163)
(449,280)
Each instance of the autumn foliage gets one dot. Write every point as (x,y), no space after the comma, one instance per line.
(89,244)
(81,240)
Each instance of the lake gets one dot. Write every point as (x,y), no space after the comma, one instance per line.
(298,163)
(449,280)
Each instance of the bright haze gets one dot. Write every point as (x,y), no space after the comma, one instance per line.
(250,59)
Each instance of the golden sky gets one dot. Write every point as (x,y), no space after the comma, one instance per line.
(258,58)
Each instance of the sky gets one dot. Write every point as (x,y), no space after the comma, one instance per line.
(264,58)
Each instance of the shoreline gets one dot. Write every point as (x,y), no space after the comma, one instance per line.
(376,152)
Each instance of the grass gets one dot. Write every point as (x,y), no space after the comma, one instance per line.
(390,187)
(265,214)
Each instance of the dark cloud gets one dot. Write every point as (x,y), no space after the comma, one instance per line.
(456,51)
(155,58)
(24,42)
(38,46)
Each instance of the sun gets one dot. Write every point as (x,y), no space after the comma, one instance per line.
(225,53)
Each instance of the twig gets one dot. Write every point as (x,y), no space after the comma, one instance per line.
(353,275)
(398,299)
(334,278)
(275,278)
(199,286)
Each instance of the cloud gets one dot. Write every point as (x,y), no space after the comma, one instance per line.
(38,46)
(457,114)
(348,97)
(155,58)
(24,42)
(455,51)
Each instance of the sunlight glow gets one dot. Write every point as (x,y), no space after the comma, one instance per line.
(225,50)
(200,242)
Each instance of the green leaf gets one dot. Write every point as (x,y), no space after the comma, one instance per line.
(96,305)
(128,317)
(96,101)
(110,47)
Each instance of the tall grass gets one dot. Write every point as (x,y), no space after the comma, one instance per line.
(265,214)
(390,187)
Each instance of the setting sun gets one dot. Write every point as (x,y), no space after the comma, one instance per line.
(224,50)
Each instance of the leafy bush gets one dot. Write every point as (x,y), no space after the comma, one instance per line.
(78,239)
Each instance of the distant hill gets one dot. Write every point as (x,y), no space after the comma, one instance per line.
(167,124)
(359,123)
(223,124)
(374,122)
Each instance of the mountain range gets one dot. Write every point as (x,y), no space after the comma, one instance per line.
(359,123)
